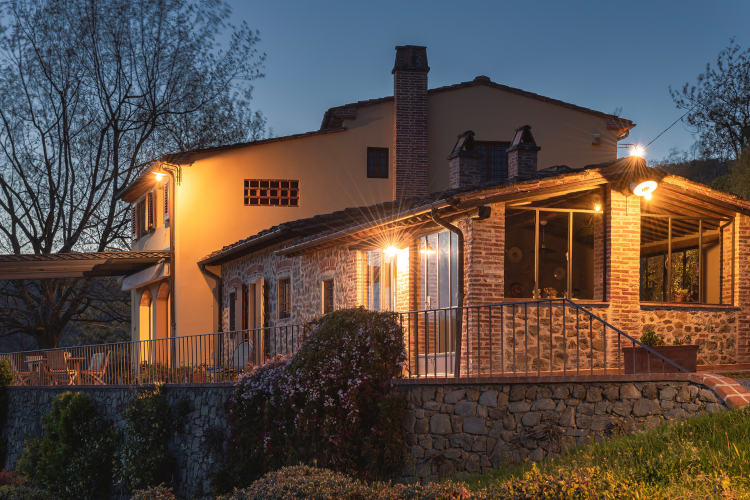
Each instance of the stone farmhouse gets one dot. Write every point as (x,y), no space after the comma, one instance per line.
(443,200)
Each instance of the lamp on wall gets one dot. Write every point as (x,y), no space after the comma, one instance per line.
(159,176)
(644,189)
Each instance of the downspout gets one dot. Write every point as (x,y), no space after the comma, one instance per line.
(460,237)
(219,292)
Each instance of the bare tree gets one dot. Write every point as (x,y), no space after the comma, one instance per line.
(718,105)
(90,93)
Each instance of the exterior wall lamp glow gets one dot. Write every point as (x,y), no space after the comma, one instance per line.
(644,189)
(159,176)
(390,251)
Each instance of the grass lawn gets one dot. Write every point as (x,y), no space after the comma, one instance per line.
(706,456)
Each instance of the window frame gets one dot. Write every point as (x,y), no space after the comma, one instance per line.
(284,297)
(327,285)
(486,166)
(378,150)
(386,296)
(569,265)
(723,223)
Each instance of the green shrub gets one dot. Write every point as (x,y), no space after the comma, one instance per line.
(651,338)
(6,378)
(144,459)
(22,492)
(73,458)
(331,404)
(160,492)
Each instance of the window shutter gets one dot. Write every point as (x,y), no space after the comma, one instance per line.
(166,201)
(133,223)
(150,208)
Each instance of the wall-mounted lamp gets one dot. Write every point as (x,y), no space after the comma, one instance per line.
(638,151)
(390,251)
(597,208)
(159,176)
(644,189)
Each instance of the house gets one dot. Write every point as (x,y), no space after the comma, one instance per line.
(365,153)
(636,247)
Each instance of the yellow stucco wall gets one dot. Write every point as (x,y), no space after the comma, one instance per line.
(564,134)
(331,169)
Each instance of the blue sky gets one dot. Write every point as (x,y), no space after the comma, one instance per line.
(602,55)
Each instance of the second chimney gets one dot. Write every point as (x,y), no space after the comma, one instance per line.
(410,121)
(464,162)
(522,154)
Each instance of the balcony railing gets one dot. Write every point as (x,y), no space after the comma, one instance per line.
(552,337)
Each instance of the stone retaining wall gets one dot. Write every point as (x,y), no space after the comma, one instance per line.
(472,427)
(190,445)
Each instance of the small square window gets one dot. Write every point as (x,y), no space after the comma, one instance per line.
(284,298)
(271,192)
(377,163)
(327,293)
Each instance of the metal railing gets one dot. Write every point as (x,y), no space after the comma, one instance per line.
(550,337)
(207,358)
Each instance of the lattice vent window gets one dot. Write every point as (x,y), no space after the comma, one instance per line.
(272,192)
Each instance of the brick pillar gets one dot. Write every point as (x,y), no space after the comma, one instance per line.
(483,285)
(742,286)
(410,121)
(522,154)
(623,261)
(599,263)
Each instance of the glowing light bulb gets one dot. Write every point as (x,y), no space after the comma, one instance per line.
(597,208)
(390,251)
(159,176)
(645,189)
(638,151)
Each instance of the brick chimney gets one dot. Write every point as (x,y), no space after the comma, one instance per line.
(464,162)
(522,154)
(410,121)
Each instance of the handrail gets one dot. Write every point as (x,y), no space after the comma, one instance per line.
(651,350)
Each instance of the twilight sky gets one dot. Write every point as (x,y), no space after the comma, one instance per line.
(602,55)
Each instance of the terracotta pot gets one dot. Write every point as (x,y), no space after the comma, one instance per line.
(684,355)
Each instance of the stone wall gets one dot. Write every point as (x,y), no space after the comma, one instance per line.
(190,445)
(472,427)
(714,330)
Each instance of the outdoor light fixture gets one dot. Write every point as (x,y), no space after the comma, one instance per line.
(159,176)
(390,251)
(597,208)
(644,189)
(638,151)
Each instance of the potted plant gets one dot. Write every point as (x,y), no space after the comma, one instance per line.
(681,295)
(640,360)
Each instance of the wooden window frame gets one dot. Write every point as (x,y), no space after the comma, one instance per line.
(372,174)
(327,306)
(272,193)
(284,298)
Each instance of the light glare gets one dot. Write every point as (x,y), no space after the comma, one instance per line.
(645,189)
(159,176)
(638,151)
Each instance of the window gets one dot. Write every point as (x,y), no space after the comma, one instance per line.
(494,159)
(381,281)
(284,298)
(552,251)
(232,311)
(272,192)
(685,259)
(327,295)
(377,163)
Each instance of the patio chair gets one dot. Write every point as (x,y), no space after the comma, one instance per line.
(97,368)
(20,376)
(57,366)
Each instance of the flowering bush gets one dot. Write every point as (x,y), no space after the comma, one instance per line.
(159,492)
(22,492)
(330,404)
(73,458)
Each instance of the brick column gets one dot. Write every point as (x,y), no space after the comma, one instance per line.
(483,285)
(623,261)
(742,286)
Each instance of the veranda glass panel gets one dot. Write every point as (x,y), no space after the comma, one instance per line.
(654,249)
(685,261)
(373,280)
(711,251)
(519,253)
(553,254)
(587,250)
